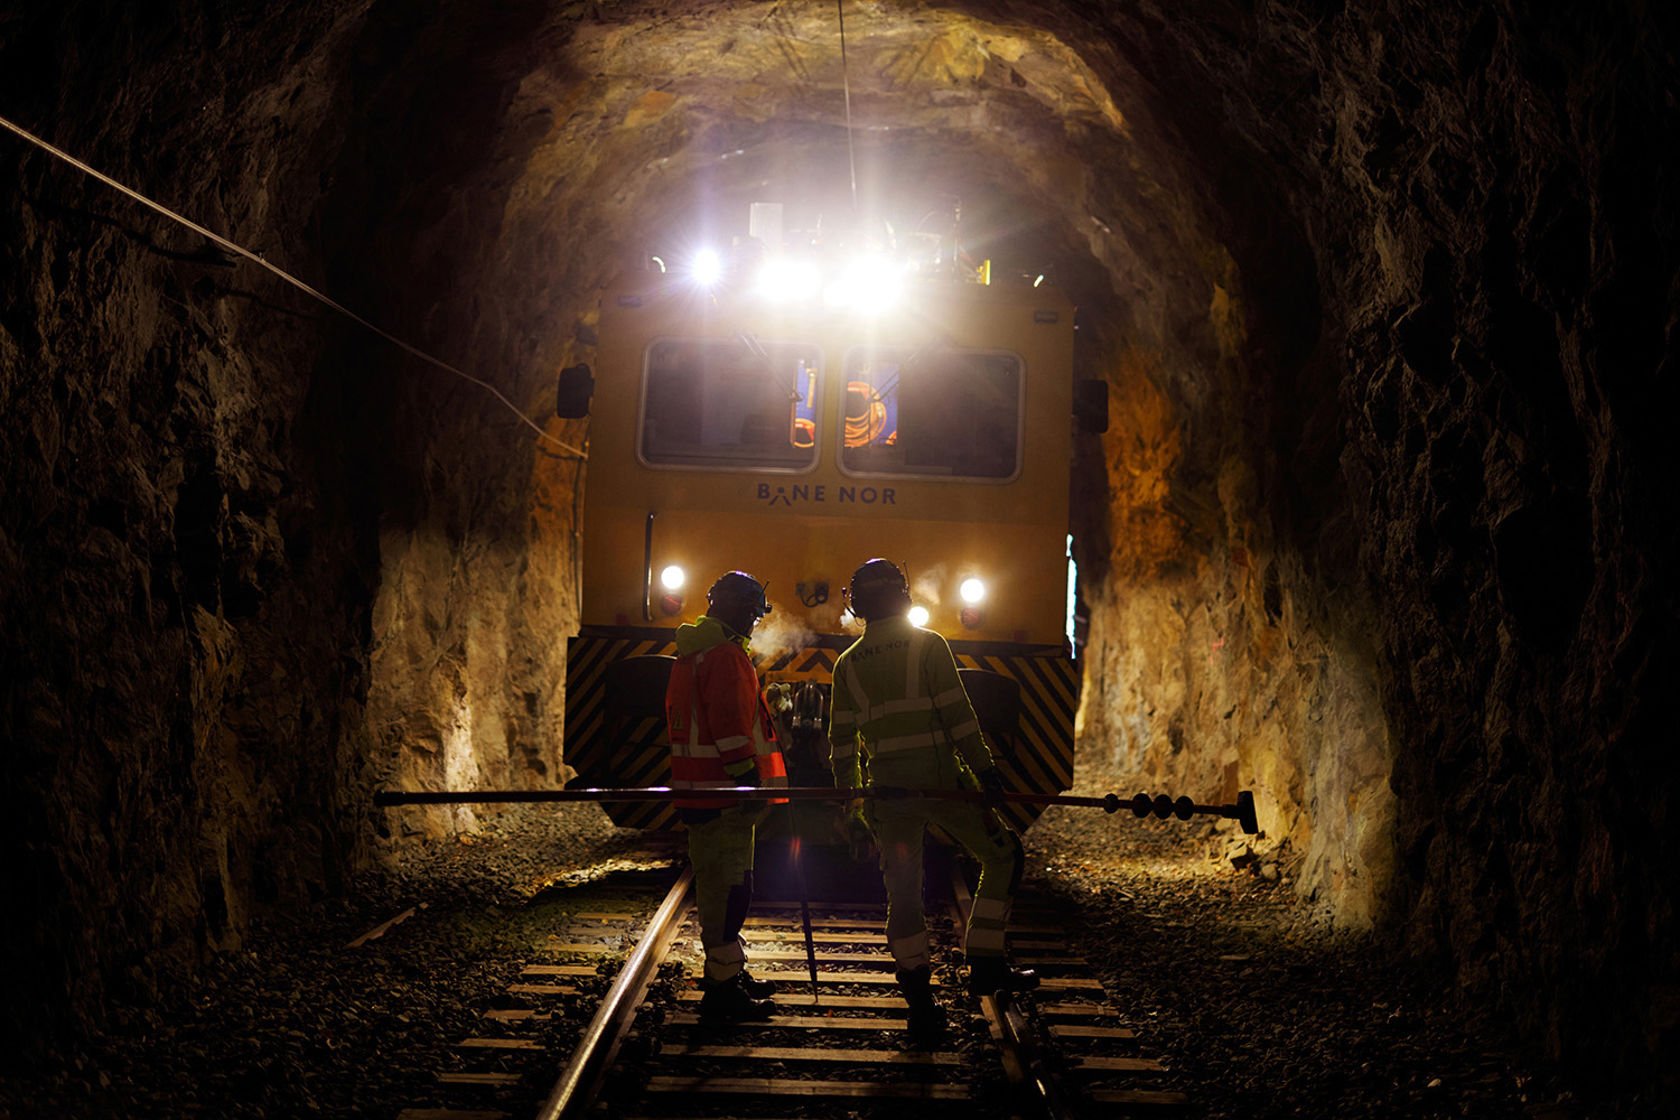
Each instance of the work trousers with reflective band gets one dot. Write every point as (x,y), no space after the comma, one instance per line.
(721,850)
(900,827)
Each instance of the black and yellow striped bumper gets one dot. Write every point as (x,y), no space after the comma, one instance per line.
(615,731)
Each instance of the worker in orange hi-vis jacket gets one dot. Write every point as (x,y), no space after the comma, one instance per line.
(722,737)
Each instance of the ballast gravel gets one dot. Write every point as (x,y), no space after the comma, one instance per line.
(1252,1001)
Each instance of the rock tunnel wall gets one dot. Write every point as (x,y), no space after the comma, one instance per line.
(186,560)
(1385,301)
(257,562)
(1429,534)
(477,533)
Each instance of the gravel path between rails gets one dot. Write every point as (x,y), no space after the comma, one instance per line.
(1256,1006)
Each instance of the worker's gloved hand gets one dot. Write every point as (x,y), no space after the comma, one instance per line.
(991,784)
(743,775)
(747,775)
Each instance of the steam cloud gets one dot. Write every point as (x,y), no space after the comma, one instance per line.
(925,585)
(781,633)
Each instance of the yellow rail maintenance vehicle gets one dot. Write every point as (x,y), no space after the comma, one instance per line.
(793,416)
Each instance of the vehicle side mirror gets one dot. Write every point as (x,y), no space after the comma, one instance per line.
(571,398)
(1090,406)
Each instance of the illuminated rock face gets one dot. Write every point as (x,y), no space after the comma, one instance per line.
(1380,528)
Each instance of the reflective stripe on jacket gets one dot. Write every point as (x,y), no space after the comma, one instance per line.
(896,690)
(718,726)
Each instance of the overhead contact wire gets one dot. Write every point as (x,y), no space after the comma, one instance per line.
(846,84)
(300,285)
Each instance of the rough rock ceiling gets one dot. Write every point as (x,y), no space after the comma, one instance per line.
(1383,298)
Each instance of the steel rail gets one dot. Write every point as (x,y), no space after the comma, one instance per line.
(581,1080)
(1142,805)
(1017,1043)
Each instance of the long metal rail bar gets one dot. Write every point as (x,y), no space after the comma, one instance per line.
(1142,805)
(581,1080)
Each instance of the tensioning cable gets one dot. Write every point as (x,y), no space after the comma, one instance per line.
(257,259)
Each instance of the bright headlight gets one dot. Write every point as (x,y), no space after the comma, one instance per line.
(673,577)
(918,616)
(972,591)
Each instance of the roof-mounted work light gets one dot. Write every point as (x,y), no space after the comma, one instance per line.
(786,280)
(870,284)
(706,269)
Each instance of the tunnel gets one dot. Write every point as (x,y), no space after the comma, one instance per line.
(1383,295)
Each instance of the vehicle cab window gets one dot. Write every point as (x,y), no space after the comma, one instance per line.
(730,404)
(936,413)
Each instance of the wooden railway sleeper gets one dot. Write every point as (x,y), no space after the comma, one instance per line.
(895,1074)
(1028,1054)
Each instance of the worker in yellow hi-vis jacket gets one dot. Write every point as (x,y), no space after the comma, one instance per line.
(899,707)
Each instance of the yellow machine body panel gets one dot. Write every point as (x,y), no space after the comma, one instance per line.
(795,444)
(814,523)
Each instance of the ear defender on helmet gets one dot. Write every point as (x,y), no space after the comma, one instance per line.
(878,589)
(739,589)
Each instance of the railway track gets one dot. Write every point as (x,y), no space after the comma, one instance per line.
(1064,1050)
(501,1068)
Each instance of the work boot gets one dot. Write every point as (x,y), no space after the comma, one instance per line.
(989,975)
(729,1002)
(926,1020)
(756,988)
